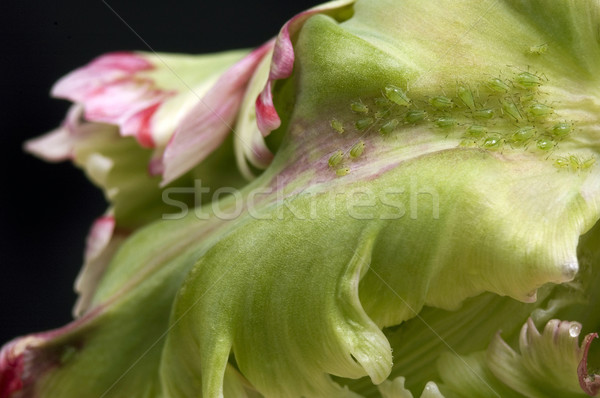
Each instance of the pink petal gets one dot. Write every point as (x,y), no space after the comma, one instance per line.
(112,92)
(282,64)
(590,384)
(57,145)
(205,127)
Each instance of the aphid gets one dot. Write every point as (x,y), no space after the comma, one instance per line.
(527,81)
(468,143)
(441,102)
(388,127)
(561,129)
(359,107)
(574,163)
(497,85)
(466,96)
(538,110)
(523,135)
(483,114)
(476,131)
(445,122)
(342,172)
(539,49)
(363,123)
(415,116)
(511,109)
(561,162)
(493,141)
(545,144)
(396,95)
(337,126)
(336,158)
(588,163)
(357,149)
(381,102)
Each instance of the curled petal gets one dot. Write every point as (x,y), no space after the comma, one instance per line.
(589,383)
(282,63)
(205,127)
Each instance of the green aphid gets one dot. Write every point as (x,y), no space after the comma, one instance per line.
(445,122)
(466,96)
(493,141)
(497,85)
(363,123)
(539,49)
(476,131)
(527,81)
(396,95)
(523,134)
(574,162)
(441,102)
(483,114)
(545,144)
(382,102)
(466,143)
(342,171)
(511,109)
(415,116)
(538,110)
(562,162)
(588,163)
(561,130)
(357,149)
(336,159)
(337,126)
(359,107)
(388,127)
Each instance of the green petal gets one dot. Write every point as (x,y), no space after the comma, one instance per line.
(547,363)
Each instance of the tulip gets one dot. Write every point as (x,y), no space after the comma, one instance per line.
(424,222)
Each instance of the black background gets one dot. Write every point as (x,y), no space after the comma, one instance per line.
(47,209)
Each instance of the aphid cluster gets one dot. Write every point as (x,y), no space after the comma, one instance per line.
(500,113)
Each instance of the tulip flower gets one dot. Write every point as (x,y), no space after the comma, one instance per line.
(420,215)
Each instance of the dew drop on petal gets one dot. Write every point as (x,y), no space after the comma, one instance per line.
(574,330)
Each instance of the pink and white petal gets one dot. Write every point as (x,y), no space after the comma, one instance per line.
(206,126)
(58,144)
(102,243)
(83,82)
(130,90)
(249,144)
(54,146)
(282,63)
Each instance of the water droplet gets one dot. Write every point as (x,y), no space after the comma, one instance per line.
(574,329)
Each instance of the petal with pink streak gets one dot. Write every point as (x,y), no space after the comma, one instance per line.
(23,360)
(112,91)
(206,126)
(282,64)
